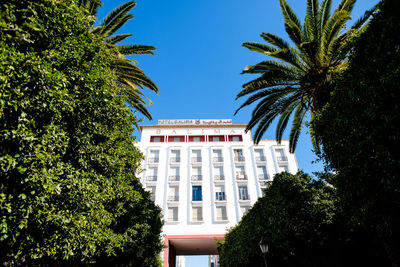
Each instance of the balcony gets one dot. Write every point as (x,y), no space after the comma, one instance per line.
(218,160)
(261,159)
(173,198)
(196,160)
(197,178)
(241,176)
(219,177)
(239,159)
(173,219)
(220,196)
(282,159)
(263,177)
(151,178)
(173,178)
(244,198)
(175,160)
(197,219)
(153,161)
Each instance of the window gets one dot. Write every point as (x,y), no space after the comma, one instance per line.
(219,173)
(240,173)
(174,174)
(154,156)
(173,194)
(238,155)
(199,138)
(235,138)
(220,193)
(152,190)
(196,193)
(175,156)
(196,156)
(196,174)
(221,213)
(157,139)
(197,214)
(283,168)
(217,155)
(262,172)
(176,138)
(243,195)
(151,175)
(259,155)
(172,214)
(281,155)
(216,138)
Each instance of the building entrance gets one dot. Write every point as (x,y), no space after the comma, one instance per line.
(179,245)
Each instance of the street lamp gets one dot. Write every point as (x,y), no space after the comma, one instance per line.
(264,249)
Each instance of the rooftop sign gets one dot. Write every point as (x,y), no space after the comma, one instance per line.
(195,122)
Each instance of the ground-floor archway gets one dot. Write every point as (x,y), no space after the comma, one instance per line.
(177,245)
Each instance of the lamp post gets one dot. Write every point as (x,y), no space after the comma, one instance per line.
(264,249)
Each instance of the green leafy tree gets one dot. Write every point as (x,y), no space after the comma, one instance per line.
(298,78)
(130,78)
(301,221)
(360,131)
(68,191)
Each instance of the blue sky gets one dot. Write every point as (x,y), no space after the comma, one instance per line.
(199,58)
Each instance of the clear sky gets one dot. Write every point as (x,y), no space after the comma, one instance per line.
(199,58)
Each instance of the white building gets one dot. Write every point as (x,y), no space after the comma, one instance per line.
(205,174)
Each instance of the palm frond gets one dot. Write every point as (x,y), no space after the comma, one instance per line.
(346,5)
(324,13)
(296,127)
(364,18)
(92,6)
(267,95)
(269,65)
(314,136)
(136,49)
(266,114)
(288,56)
(117,14)
(268,79)
(332,28)
(275,40)
(294,32)
(288,13)
(116,38)
(115,25)
(260,48)
(311,19)
(284,119)
(139,79)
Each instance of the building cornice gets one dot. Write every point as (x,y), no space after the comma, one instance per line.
(191,126)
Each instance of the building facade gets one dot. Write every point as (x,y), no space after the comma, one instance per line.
(205,174)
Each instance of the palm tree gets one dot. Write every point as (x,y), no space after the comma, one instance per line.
(130,78)
(299,78)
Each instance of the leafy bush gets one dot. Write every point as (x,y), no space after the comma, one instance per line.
(360,130)
(68,191)
(302,222)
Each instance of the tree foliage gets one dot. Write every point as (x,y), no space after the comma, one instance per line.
(360,131)
(302,223)
(296,83)
(68,191)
